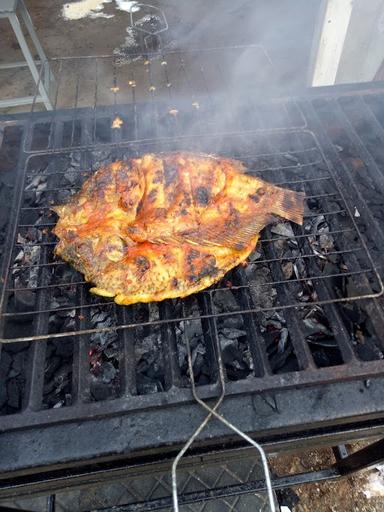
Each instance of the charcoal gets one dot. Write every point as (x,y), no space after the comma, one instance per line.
(227,342)
(146,386)
(101,391)
(182,355)
(368,352)
(283,229)
(192,329)
(321,359)
(147,345)
(112,351)
(17,364)
(107,372)
(3,394)
(5,363)
(288,270)
(71,175)
(13,348)
(225,301)
(64,347)
(232,333)
(53,363)
(279,360)
(313,203)
(55,323)
(314,326)
(14,393)
(282,345)
(103,339)
(232,322)
(254,256)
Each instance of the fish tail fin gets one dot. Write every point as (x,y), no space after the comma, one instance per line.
(289,205)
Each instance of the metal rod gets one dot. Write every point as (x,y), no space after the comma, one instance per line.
(212,411)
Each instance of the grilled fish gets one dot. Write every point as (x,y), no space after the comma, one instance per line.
(167,225)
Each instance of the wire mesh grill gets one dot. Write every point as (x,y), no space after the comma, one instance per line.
(290,268)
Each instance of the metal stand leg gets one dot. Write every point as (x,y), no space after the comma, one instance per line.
(13,19)
(31,30)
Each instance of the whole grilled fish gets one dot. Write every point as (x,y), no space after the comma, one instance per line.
(167,225)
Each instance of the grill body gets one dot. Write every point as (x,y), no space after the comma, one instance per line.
(329,145)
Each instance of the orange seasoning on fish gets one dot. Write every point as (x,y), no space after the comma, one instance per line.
(167,225)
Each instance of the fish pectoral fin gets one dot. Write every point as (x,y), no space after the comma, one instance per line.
(234,237)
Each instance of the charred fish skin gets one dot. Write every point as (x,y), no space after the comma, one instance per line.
(167,225)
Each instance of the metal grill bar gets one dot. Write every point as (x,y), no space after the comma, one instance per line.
(248,286)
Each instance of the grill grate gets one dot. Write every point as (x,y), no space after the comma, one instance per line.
(299,280)
(297,268)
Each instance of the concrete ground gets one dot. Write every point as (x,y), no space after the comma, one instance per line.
(284,29)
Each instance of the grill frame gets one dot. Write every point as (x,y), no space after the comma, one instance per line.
(282,386)
(307,374)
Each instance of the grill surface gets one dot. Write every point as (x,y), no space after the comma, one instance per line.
(292,279)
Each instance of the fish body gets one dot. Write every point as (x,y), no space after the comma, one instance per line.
(167,225)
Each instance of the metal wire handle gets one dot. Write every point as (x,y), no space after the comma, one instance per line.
(212,411)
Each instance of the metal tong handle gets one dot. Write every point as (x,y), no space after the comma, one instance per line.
(213,412)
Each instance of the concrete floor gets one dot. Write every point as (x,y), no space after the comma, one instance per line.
(283,28)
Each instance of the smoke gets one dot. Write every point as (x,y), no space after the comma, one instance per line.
(250,51)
